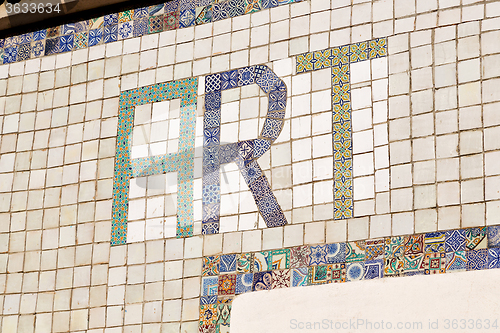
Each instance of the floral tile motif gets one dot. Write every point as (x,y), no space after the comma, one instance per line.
(281,279)
(252,6)
(228,263)
(476,238)
(494,236)
(355,271)
(375,249)
(299,256)
(244,263)
(125,16)
(211,266)
(455,240)
(208,314)
(262,281)
(335,253)
(456,262)
(414,244)
(318,275)
(377,48)
(110,33)
(435,263)
(494,257)
(171,21)
(37,49)
(299,276)
(317,255)
(244,283)
(262,261)
(281,259)
(355,251)
(337,272)
(394,246)
(95,37)
(209,285)
(227,284)
(477,259)
(434,242)
(140,27)
(414,262)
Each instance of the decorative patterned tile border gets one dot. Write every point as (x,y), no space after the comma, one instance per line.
(181,162)
(339,59)
(225,276)
(138,22)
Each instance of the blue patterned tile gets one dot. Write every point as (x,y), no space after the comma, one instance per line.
(208,300)
(220,11)
(455,240)
(374,269)
(494,257)
(318,255)
(229,80)
(25,38)
(277,97)
(95,37)
(66,43)
(125,30)
(212,84)
(186,4)
(140,27)
(335,253)
(110,33)
(272,128)
(24,52)
(38,48)
(266,4)
(156,9)
(235,7)
(246,76)
(110,19)
(171,6)
(82,26)
(211,136)
(262,281)
(267,80)
(245,149)
(260,147)
(209,285)
(477,259)
(456,262)
(52,46)
(39,35)
(187,17)
(244,283)
(355,271)
(228,263)
(494,236)
(140,13)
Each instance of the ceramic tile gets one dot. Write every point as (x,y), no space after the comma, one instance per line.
(244,283)
(299,276)
(456,262)
(435,263)
(299,256)
(281,278)
(227,284)
(355,271)
(355,251)
(477,259)
(262,281)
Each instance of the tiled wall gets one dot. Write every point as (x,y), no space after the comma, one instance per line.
(148,178)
